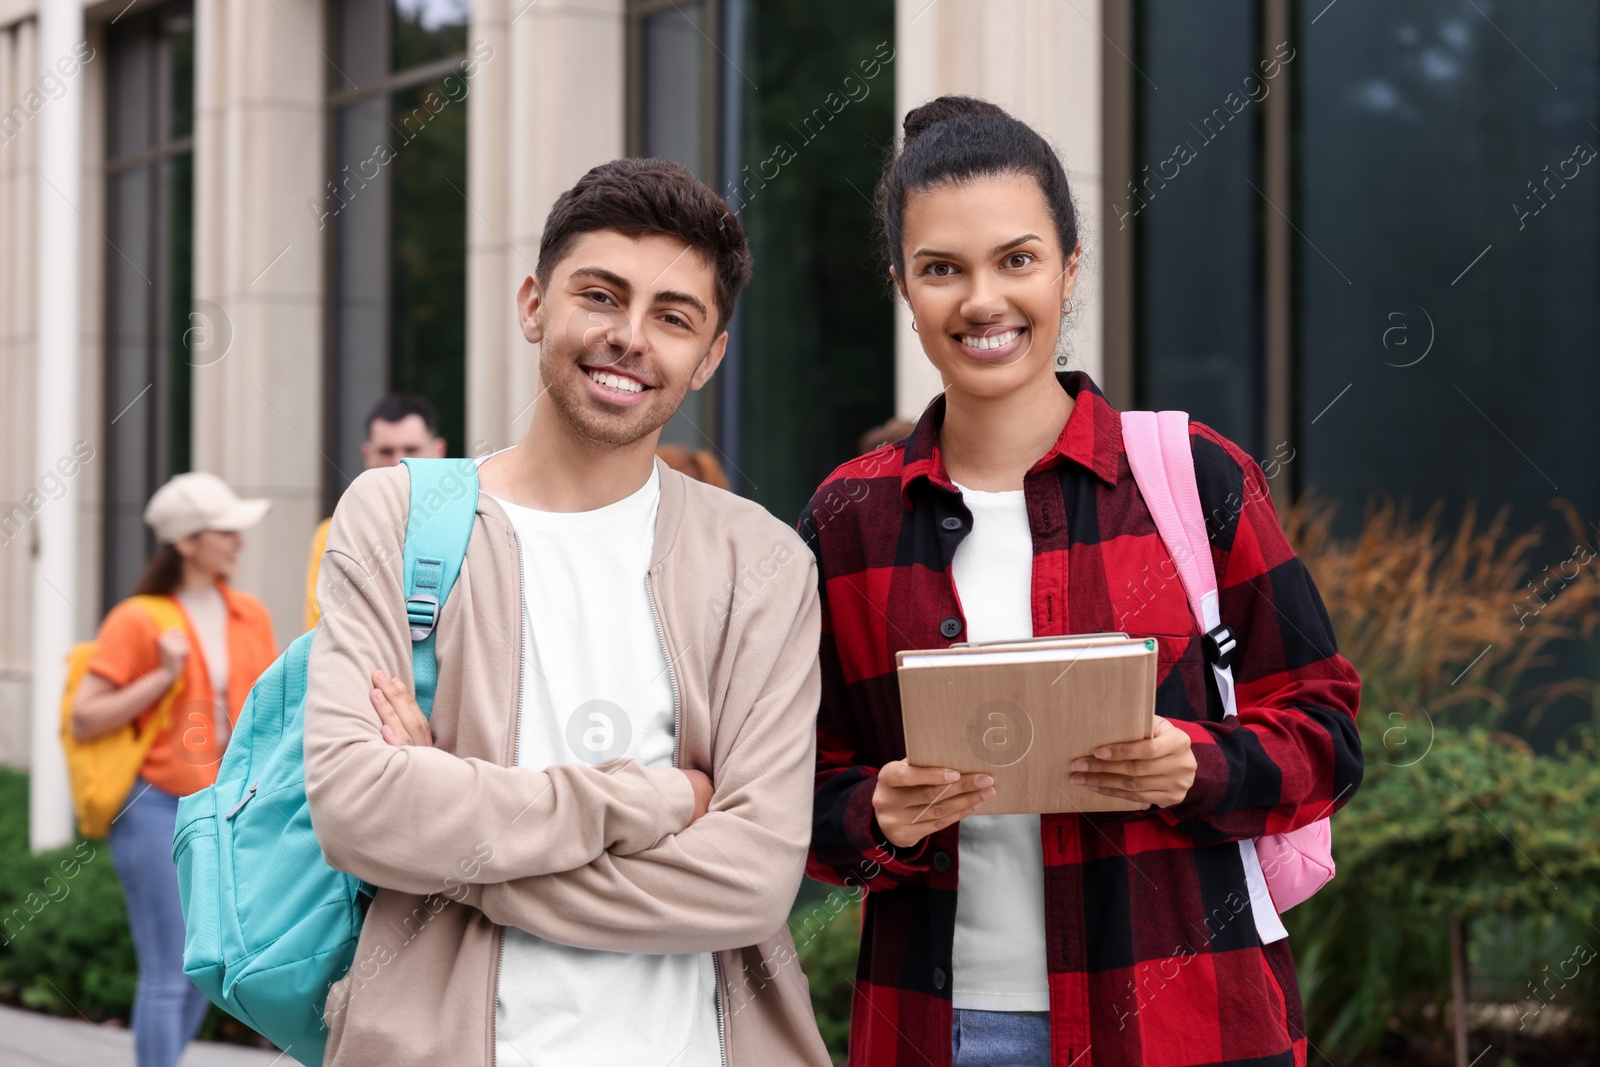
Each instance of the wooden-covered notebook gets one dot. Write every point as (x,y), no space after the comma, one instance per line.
(1022,711)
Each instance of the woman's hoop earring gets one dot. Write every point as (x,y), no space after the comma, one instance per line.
(914,326)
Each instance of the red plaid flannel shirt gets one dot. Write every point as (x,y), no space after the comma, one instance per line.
(1154,957)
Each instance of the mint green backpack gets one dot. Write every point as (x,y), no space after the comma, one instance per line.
(268,925)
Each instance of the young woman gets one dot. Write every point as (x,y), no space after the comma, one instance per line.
(225,644)
(1010,512)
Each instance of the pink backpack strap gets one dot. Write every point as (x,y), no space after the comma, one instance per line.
(1157,446)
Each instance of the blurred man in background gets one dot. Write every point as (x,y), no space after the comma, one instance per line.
(401,425)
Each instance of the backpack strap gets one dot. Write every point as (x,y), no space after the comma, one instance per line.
(163,611)
(167,615)
(443,508)
(1157,444)
(1162,461)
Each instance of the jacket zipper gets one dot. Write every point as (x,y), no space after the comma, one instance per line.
(516,751)
(677,761)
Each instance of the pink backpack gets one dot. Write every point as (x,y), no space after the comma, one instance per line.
(1282,870)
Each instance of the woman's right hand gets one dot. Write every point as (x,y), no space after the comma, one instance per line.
(102,706)
(912,802)
(174,646)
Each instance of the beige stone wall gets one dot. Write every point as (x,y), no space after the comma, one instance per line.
(526,142)
(1039,59)
(258,280)
(18,236)
(22,471)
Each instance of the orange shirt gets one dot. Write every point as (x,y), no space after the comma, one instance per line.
(184,760)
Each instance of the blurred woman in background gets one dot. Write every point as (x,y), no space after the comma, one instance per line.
(225,642)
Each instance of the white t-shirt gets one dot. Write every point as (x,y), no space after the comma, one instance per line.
(208,614)
(999,952)
(595,687)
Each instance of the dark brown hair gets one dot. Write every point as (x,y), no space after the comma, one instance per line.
(162,575)
(398,406)
(636,197)
(958,138)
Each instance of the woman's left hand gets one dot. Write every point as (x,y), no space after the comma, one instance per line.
(1158,771)
(403,721)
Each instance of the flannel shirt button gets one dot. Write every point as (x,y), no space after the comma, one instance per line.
(951,627)
(951,523)
(938,978)
(941,861)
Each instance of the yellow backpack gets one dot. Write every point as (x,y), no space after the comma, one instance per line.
(103,769)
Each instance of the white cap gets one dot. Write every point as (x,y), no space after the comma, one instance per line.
(197,501)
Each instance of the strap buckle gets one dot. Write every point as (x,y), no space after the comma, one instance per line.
(1218,645)
(422,611)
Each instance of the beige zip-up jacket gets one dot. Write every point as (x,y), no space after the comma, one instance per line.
(462,842)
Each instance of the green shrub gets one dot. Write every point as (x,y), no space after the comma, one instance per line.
(827,934)
(64,943)
(1456,819)
(1478,829)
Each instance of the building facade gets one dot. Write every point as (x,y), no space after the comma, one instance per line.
(228,226)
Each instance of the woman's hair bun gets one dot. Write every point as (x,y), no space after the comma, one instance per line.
(980,140)
(919,120)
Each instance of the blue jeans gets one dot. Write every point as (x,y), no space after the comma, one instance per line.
(1000,1038)
(167,1007)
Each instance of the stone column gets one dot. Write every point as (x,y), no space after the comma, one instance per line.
(526,142)
(256,330)
(58,350)
(18,298)
(1040,60)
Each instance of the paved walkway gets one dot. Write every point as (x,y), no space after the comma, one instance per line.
(28,1039)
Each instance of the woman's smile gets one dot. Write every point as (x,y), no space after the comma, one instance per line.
(992,344)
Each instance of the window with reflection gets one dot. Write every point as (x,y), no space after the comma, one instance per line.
(785,108)
(151,341)
(1444,230)
(395,211)
(676,83)
(673,82)
(1446,292)
(818,341)
(1195,215)
(1444,225)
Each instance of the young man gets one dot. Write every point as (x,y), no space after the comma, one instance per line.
(400,426)
(587,855)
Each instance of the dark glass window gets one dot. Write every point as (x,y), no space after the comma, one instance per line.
(785,108)
(1450,203)
(396,210)
(816,334)
(152,339)
(674,81)
(1195,211)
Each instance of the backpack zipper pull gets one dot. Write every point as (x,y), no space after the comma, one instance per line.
(248,793)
